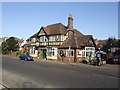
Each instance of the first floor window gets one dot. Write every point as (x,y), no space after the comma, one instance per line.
(42,38)
(62,37)
(69,53)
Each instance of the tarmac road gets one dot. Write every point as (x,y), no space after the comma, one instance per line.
(48,74)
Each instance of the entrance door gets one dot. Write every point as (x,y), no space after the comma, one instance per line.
(43,53)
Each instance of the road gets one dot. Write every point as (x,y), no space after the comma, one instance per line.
(48,74)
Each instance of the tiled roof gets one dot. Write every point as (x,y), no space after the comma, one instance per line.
(76,40)
(57,28)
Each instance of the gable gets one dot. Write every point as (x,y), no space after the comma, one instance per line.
(42,32)
(91,42)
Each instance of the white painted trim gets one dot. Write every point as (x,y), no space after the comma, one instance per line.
(69,50)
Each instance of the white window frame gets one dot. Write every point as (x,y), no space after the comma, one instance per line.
(62,37)
(53,38)
(32,50)
(85,51)
(68,54)
(88,50)
(42,38)
(52,51)
(79,53)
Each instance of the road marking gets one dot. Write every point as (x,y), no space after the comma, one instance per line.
(3,86)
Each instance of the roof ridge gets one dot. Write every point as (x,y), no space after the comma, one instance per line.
(53,24)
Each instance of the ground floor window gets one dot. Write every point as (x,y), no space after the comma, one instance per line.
(90,51)
(52,51)
(69,53)
(33,50)
(80,53)
(86,52)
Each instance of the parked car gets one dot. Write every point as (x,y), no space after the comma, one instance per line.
(26,57)
(113,60)
(116,59)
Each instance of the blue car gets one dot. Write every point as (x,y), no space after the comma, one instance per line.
(116,59)
(26,57)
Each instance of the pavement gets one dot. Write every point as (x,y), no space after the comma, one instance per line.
(77,63)
(72,63)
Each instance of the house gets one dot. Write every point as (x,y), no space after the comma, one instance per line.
(60,42)
(22,44)
(113,49)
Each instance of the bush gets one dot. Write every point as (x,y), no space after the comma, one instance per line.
(4,52)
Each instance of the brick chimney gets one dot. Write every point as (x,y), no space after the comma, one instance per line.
(70,22)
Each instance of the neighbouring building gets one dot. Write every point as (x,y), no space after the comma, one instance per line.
(60,42)
(2,39)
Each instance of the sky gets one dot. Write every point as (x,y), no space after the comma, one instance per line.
(23,19)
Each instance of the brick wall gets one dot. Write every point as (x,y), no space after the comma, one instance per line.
(71,59)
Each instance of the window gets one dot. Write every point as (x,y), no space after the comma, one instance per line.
(32,50)
(42,39)
(62,37)
(53,38)
(52,51)
(90,51)
(83,53)
(87,52)
(69,53)
(79,54)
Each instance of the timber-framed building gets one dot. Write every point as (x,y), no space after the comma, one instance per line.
(60,42)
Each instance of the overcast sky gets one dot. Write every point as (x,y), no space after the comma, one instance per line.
(23,19)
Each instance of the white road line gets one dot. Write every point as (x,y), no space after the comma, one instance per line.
(3,86)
